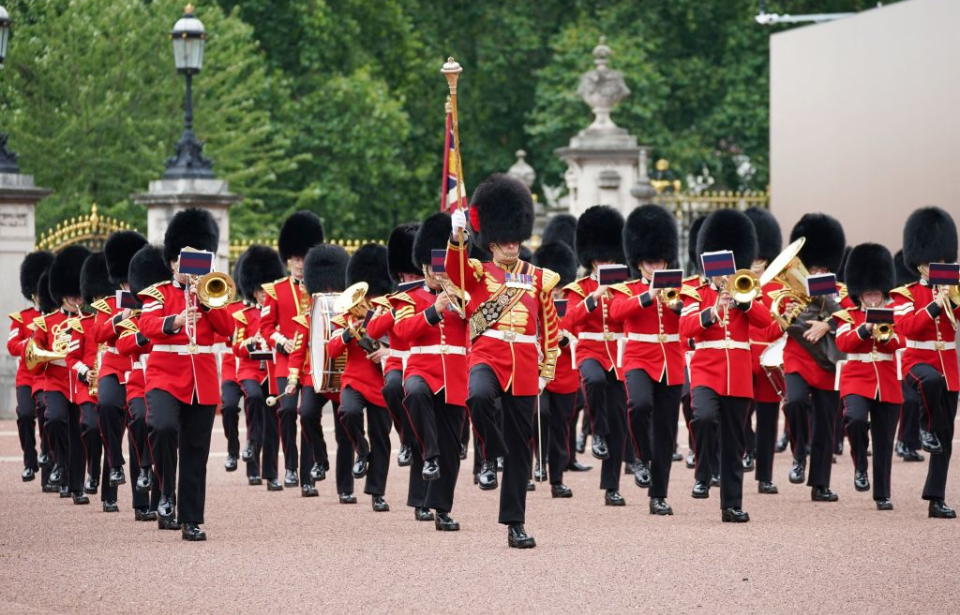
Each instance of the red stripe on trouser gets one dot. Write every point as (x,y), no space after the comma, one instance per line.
(924,397)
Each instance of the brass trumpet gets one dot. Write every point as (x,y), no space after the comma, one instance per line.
(670,297)
(883,331)
(216,290)
(743,286)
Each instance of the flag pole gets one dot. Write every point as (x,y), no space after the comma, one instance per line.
(451,70)
(444,190)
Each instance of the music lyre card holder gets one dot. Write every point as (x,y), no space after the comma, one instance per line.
(667,278)
(612,274)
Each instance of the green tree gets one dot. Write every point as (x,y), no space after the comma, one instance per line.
(94,106)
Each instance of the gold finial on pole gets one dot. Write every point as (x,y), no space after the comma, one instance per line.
(451,70)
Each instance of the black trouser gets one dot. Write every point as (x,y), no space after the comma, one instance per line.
(511,440)
(344,470)
(863,417)
(938,412)
(728,414)
(393,395)
(27,426)
(45,448)
(909,418)
(313,447)
(654,408)
(286,412)
(90,437)
(262,429)
(572,427)
(138,451)
(184,429)
(436,426)
(765,438)
(822,407)
(377,452)
(230,395)
(556,412)
(63,426)
(112,405)
(607,404)
(705,468)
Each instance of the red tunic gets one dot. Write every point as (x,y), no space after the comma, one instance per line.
(83,357)
(54,375)
(916,325)
(360,373)
(796,359)
(135,345)
(107,333)
(437,343)
(172,367)
(286,298)
(760,340)
(228,360)
(382,325)
(598,335)
(21,330)
(870,369)
(247,321)
(526,336)
(640,313)
(299,363)
(722,360)
(566,377)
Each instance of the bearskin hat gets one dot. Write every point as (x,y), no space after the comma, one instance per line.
(119,249)
(650,234)
(147,267)
(433,235)
(260,265)
(65,273)
(559,257)
(191,228)
(561,227)
(824,243)
(369,264)
(599,235)
(526,254)
(729,229)
(842,269)
(32,267)
(769,237)
(501,211)
(325,269)
(44,300)
(929,236)
(300,232)
(400,250)
(869,267)
(905,275)
(692,243)
(94,280)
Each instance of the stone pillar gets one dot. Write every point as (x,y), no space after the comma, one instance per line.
(602,160)
(18,200)
(166,197)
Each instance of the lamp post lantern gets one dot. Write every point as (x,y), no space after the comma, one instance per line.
(8,159)
(188,36)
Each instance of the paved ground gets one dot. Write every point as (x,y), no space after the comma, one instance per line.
(280,553)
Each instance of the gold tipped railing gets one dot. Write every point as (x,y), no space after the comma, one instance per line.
(238,246)
(90,230)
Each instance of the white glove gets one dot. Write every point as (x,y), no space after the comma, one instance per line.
(459,221)
(543,384)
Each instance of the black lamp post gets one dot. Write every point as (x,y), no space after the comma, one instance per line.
(188,36)
(8,159)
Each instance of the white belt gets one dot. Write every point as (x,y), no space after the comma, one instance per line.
(931,345)
(137,365)
(439,349)
(510,336)
(58,363)
(609,336)
(112,350)
(182,349)
(651,338)
(220,348)
(399,354)
(722,345)
(870,357)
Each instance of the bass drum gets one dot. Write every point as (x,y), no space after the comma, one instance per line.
(326,371)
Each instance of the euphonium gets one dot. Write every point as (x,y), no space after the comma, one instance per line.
(789,271)
(354,302)
(882,332)
(743,286)
(216,290)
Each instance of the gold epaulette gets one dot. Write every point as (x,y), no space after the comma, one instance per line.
(576,288)
(382,302)
(340,321)
(690,291)
(127,324)
(127,333)
(301,320)
(17,317)
(843,315)
(903,291)
(75,324)
(622,288)
(477,267)
(550,280)
(402,297)
(102,306)
(41,323)
(153,292)
(271,288)
(240,317)
(842,291)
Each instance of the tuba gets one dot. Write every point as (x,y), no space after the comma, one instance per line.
(216,290)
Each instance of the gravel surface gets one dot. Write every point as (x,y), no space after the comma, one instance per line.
(281,553)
